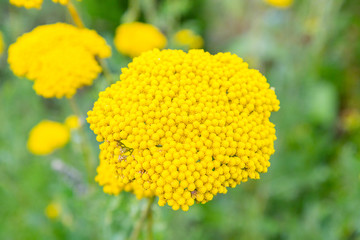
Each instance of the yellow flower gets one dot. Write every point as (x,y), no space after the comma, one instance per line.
(47,136)
(280,3)
(112,184)
(134,38)
(188,38)
(2,44)
(59,58)
(35,3)
(351,120)
(53,210)
(184,126)
(73,122)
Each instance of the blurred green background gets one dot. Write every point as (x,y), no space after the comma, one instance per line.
(310,53)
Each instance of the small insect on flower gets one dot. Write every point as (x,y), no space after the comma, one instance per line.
(183,127)
(47,136)
(134,38)
(280,3)
(35,3)
(189,39)
(59,58)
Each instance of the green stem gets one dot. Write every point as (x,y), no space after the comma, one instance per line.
(149,235)
(107,74)
(75,15)
(84,143)
(149,7)
(133,11)
(145,215)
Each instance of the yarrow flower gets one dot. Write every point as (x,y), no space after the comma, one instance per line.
(35,3)
(280,3)
(188,38)
(53,210)
(183,127)
(2,44)
(73,122)
(59,58)
(134,38)
(47,136)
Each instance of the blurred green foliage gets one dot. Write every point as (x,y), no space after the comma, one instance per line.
(310,53)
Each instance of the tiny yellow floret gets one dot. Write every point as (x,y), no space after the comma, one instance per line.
(73,122)
(189,39)
(280,3)
(59,58)
(183,127)
(53,210)
(134,38)
(47,136)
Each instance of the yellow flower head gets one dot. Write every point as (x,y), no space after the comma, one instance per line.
(188,38)
(280,3)
(73,122)
(184,126)
(47,136)
(134,38)
(35,3)
(112,184)
(59,58)
(53,210)
(2,44)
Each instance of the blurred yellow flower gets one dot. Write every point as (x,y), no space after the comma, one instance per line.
(184,126)
(188,38)
(2,44)
(280,3)
(73,122)
(53,210)
(35,3)
(351,120)
(59,58)
(47,136)
(134,38)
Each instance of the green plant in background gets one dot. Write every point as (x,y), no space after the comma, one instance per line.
(309,53)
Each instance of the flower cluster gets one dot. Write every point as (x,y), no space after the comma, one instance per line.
(184,126)
(35,3)
(60,58)
(280,3)
(47,136)
(134,38)
(188,38)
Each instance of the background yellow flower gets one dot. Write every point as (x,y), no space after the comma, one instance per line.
(280,3)
(47,136)
(53,210)
(60,58)
(73,122)
(35,3)
(188,38)
(2,44)
(134,38)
